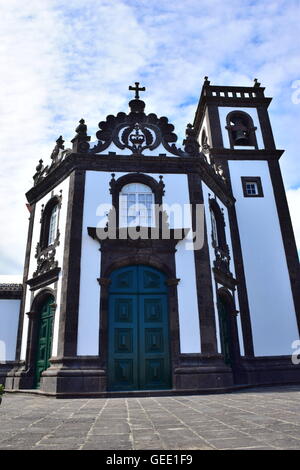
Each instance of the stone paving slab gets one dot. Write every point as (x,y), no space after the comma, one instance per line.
(262,418)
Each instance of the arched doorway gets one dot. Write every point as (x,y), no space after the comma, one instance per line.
(228,328)
(44,337)
(138,330)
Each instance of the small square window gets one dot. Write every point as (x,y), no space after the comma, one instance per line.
(252,186)
(251,189)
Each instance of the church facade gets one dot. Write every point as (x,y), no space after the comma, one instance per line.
(152,268)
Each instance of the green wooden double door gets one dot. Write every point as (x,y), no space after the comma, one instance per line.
(138,330)
(44,342)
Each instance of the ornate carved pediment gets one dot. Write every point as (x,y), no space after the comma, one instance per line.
(136,131)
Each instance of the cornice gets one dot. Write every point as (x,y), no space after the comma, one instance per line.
(112,162)
(247,154)
(11,291)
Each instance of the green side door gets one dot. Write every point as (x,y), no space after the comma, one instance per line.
(44,343)
(224,331)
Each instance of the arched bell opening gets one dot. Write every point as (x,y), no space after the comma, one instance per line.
(241,129)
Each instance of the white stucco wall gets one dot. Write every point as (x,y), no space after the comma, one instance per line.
(270,298)
(64,186)
(225,110)
(9,319)
(96,193)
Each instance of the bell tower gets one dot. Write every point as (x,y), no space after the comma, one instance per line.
(235,118)
(234,132)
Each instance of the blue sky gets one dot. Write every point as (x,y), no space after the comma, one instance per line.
(63,60)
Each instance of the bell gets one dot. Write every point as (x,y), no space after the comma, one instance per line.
(240,137)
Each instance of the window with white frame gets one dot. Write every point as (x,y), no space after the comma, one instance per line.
(251,188)
(136,205)
(53,225)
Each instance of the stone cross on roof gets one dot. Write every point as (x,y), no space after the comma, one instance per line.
(136,88)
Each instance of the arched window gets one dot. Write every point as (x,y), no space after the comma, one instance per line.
(136,205)
(53,225)
(218,225)
(134,197)
(241,129)
(49,228)
(219,243)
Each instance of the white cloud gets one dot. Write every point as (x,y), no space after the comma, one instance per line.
(61,61)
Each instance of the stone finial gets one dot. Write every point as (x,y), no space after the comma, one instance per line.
(161,185)
(81,140)
(39,170)
(112,183)
(59,146)
(191,144)
(40,166)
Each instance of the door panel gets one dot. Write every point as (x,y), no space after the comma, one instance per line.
(154,342)
(138,330)
(122,338)
(44,343)
(224,331)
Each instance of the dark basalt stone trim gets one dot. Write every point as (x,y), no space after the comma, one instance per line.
(44,279)
(266,128)
(224,279)
(237,102)
(145,237)
(77,362)
(25,276)
(8,295)
(128,163)
(215,126)
(203,275)
(11,287)
(239,154)
(288,237)
(67,341)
